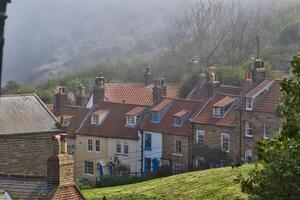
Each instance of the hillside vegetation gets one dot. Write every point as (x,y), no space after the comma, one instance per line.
(210,184)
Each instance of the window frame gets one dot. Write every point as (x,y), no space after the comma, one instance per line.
(178,147)
(130,120)
(146,147)
(178,121)
(97,145)
(146,159)
(248,127)
(177,168)
(88,168)
(89,144)
(93,121)
(249,101)
(268,130)
(126,151)
(118,147)
(224,135)
(156,118)
(220,112)
(246,156)
(198,133)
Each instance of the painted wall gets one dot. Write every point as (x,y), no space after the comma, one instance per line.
(82,154)
(156,147)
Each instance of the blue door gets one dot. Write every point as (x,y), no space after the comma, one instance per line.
(155,165)
(99,169)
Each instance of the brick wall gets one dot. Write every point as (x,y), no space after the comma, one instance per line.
(25,153)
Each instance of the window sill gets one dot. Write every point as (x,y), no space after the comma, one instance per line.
(248,136)
(147,149)
(177,154)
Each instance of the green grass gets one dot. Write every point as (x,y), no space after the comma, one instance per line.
(209,184)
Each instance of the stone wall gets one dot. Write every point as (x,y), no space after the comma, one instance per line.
(169,150)
(25,153)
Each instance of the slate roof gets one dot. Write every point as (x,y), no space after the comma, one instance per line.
(268,102)
(25,114)
(205,116)
(75,114)
(178,106)
(132,93)
(37,189)
(25,188)
(113,126)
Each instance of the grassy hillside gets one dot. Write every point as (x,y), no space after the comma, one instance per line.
(208,184)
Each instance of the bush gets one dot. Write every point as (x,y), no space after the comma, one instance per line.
(83,185)
(107,181)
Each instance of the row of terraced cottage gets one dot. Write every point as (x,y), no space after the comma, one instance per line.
(144,126)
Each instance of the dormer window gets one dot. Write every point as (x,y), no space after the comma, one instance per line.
(98,117)
(133,116)
(177,121)
(131,120)
(249,104)
(218,112)
(95,119)
(155,117)
(221,107)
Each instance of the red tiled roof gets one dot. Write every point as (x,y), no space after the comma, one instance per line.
(205,116)
(268,102)
(137,110)
(132,93)
(161,105)
(257,89)
(77,113)
(224,102)
(70,192)
(113,125)
(166,123)
(229,89)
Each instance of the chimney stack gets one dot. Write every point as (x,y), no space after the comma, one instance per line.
(80,98)
(248,80)
(159,90)
(60,99)
(60,167)
(213,83)
(147,77)
(99,90)
(258,68)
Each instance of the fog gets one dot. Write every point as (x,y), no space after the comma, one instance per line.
(48,38)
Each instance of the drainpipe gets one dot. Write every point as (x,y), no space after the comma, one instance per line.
(142,150)
(3,17)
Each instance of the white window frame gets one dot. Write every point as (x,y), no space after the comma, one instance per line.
(120,145)
(249,104)
(152,118)
(89,144)
(223,135)
(176,120)
(125,145)
(131,120)
(97,145)
(87,168)
(177,168)
(178,146)
(218,112)
(248,128)
(93,119)
(266,130)
(248,153)
(202,134)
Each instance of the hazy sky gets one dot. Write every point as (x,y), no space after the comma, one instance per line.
(37,30)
